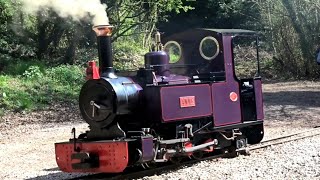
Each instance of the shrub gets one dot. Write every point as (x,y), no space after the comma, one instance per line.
(12,94)
(18,67)
(37,89)
(66,74)
(128,54)
(32,72)
(84,55)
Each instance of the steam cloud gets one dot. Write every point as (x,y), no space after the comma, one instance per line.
(76,9)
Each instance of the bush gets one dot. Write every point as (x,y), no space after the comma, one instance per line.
(4,61)
(66,74)
(33,72)
(86,54)
(12,94)
(36,89)
(128,54)
(19,67)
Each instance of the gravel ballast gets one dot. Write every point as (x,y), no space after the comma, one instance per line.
(294,160)
(27,149)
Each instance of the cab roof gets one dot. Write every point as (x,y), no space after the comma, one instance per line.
(231,31)
(199,33)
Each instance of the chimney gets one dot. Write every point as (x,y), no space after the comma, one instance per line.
(103,33)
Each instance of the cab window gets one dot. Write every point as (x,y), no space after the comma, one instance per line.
(174,51)
(245,56)
(209,48)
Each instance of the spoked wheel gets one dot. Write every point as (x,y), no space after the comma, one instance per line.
(254,134)
(148,165)
(176,160)
(197,155)
(231,152)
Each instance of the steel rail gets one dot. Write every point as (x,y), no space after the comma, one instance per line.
(293,134)
(284,140)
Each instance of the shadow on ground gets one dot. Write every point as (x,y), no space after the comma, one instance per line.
(302,107)
(302,99)
(59,176)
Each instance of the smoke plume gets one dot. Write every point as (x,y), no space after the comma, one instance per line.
(76,9)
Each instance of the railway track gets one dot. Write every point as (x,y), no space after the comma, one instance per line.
(315,131)
(139,173)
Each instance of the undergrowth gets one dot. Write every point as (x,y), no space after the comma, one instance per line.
(27,84)
(38,87)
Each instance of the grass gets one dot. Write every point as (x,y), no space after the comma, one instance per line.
(38,87)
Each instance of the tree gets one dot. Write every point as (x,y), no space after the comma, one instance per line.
(292,28)
(47,36)
(215,14)
(140,17)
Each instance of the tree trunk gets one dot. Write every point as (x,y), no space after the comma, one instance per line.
(41,37)
(69,57)
(304,45)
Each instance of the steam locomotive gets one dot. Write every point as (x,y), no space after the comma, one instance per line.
(187,101)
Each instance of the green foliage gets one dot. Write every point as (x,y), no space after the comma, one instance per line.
(291,32)
(174,57)
(36,89)
(66,74)
(13,95)
(171,5)
(33,72)
(6,12)
(138,19)
(83,55)
(19,67)
(216,14)
(4,61)
(128,54)
(31,43)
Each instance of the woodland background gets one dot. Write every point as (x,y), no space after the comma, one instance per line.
(42,56)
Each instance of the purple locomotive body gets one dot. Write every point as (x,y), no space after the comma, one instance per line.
(187,101)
